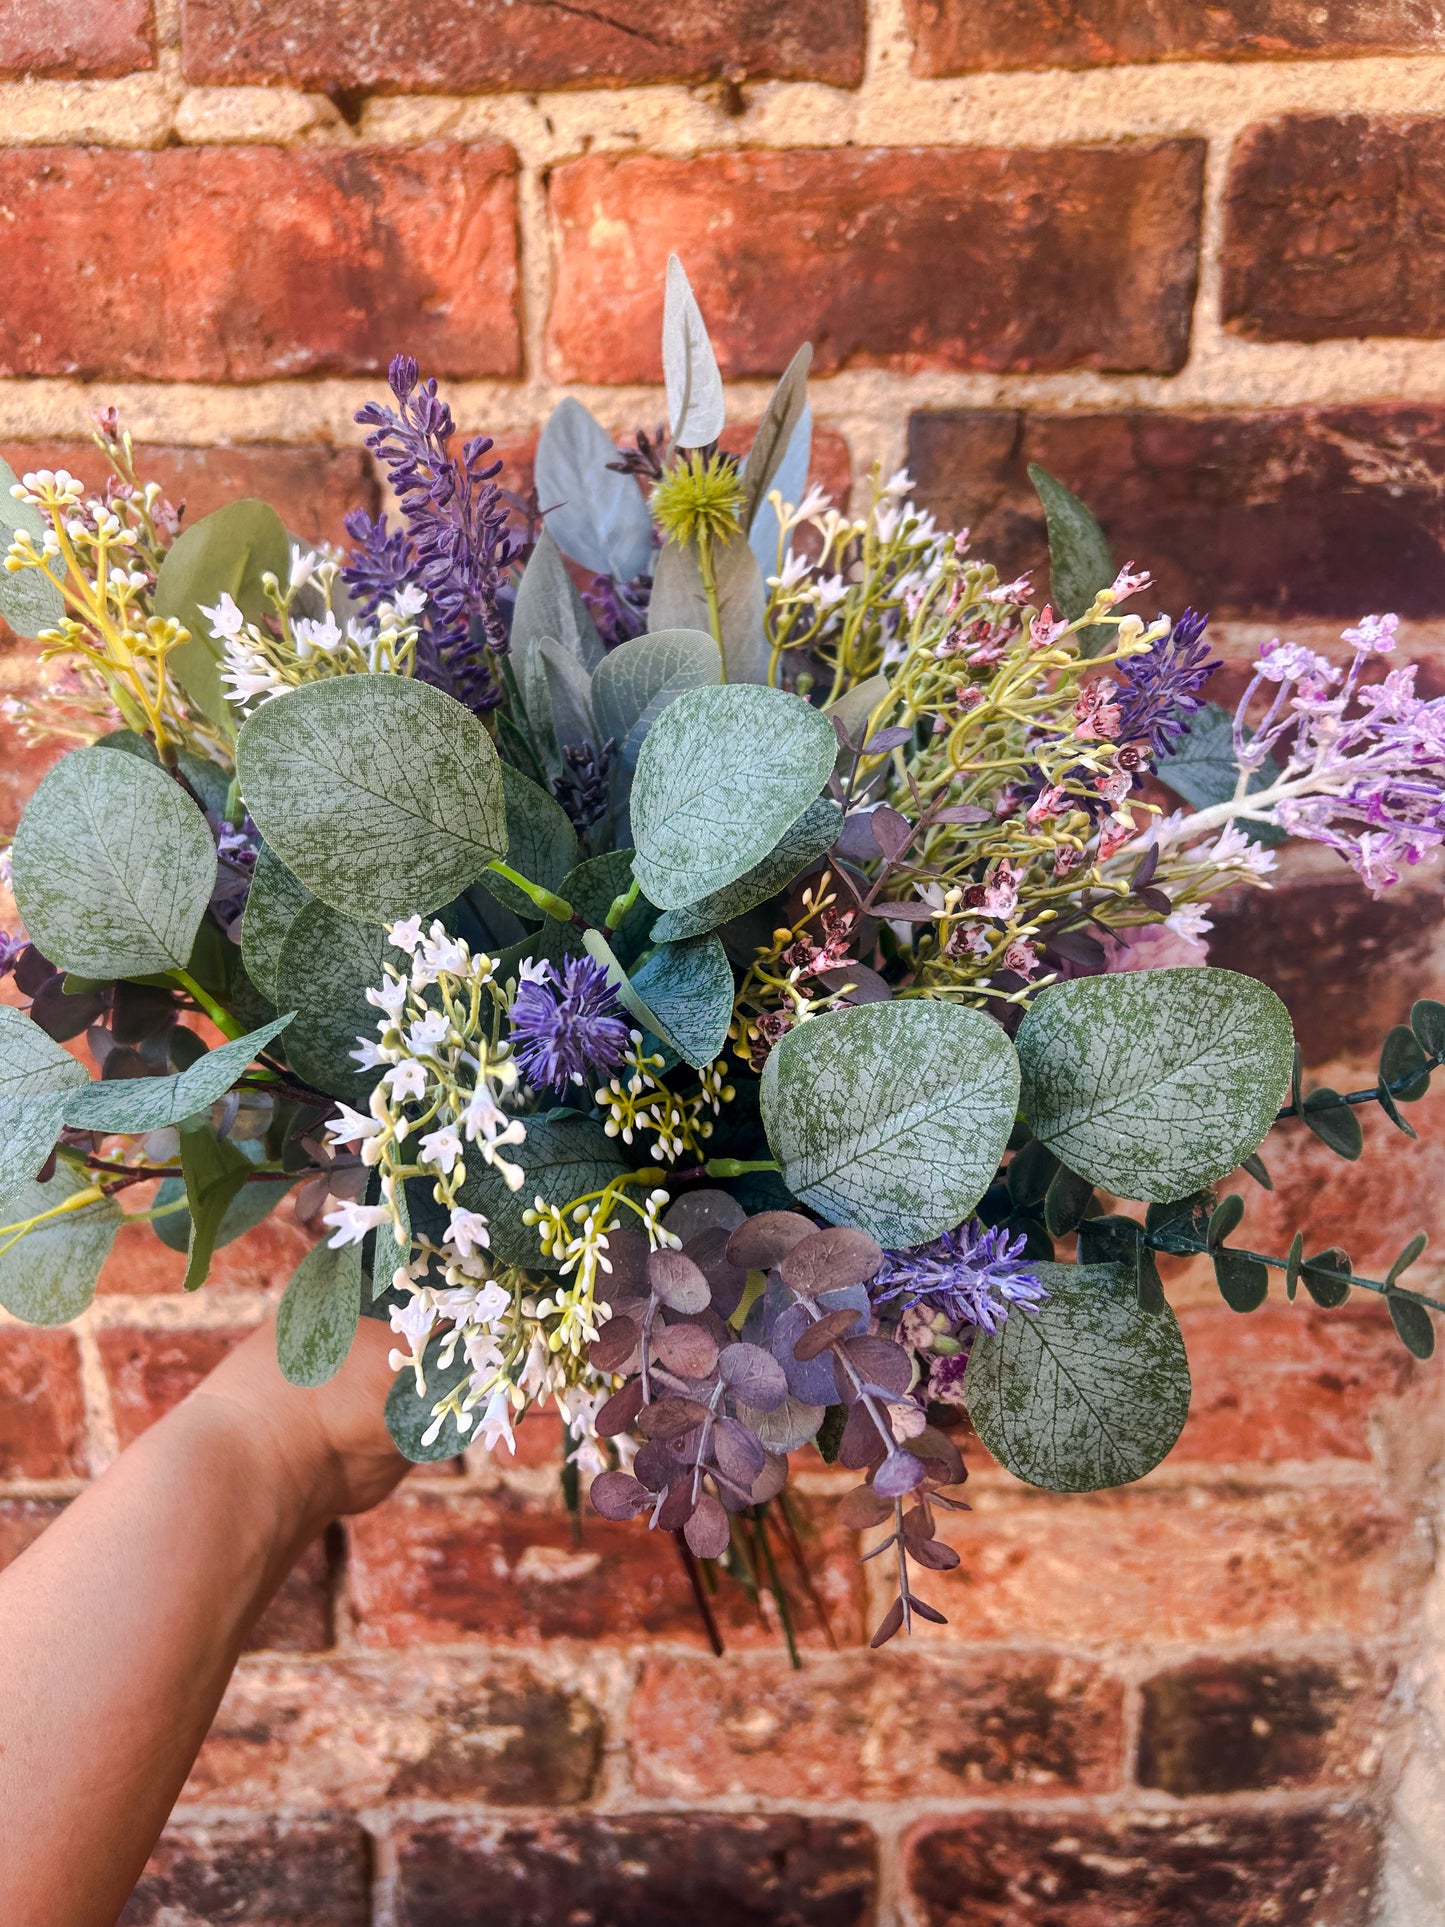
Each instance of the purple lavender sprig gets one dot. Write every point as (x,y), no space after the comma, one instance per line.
(972,1275)
(1159,691)
(568,1028)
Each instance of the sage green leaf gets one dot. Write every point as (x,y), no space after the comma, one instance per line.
(592,889)
(31,1062)
(30,600)
(49,1275)
(855,707)
(679,601)
(1080,563)
(690,986)
(251,1206)
(800,846)
(689,367)
(225,553)
(565,1156)
(328,963)
(541,844)
(636,681)
(214,1171)
(382,794)
(318,1315)
(785,410)
(597,516)
(133,1104)
(29,1127)
(569,693)
(1088,1392)
(273,903)
(113,867)
(790,481)
(722,775)
(549,603)
(409,1412)
(1153,1083)
(891,1117)
(1201,767)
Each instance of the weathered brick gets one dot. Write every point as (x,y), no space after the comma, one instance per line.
(1333,229)
(478,46)
(298,1618)
(1307,1869)
(149,1372)
(1232,1725)
(908,258)
(75,39)
(440,1566)
(1284,511)
(255,263)
(876,1727)
(21,1523)
(356,1732)
(959,37)
(42,1411)
(711,1870)
(263,1873)
(140,1266)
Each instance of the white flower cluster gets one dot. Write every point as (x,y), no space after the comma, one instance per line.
(893,529)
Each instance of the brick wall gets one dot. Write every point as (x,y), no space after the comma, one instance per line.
(1193,260)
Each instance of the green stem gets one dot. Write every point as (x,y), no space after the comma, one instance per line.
(737,1167)
(547,901)
(1282,1264)
(709,589)
(620,907)
(218,1014)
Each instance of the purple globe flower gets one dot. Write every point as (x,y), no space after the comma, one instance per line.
(972,1275)
(567,1028)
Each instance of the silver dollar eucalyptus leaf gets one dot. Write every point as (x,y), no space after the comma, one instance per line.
(49,1275)
(273,903)
(690,987)
(317,1319)
(29,599)
(636,681)
(801,844)
(327,964)
(689,367)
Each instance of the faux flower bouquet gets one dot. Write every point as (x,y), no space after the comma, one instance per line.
(706,960)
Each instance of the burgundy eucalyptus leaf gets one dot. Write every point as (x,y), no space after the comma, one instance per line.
(810,1379)
(737,1451)
(627,1253)
(857,983)
(62,1016)
(905,910)
(614,1345)
(698,1211)
(933,1554)
(685,1349)
(676,1280)
(753,1375)
(669,1418)
(771,1480)
(787,1427)
(890,1623)
(861,1508)
(831,1260)
(619,1414)
(657,1465)
(940,1455)
(708,1533)
(759,1244)
(824,1332)
(925,1611)
(899,1474)
(881,1362)
(862,1444)
(962,813)
(677,1508)
(726,1281)
(32,969)
(617,1495)
(893,737)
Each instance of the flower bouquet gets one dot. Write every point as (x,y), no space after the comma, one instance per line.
(715,963)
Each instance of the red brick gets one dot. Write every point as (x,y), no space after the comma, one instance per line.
(353,1733)
(75,39)
(150,1372)
(262,1873)
(906,258)
(1296,1869)
(441,1566)
(481,46)
(21,1523)
(1188,1563)
(1286,511)
(637,1870)
(871,1727)
(959,37)
(42,1411)
(141,1266)
(1333,229)
(1237,1725)
(298,1619)
(255,263)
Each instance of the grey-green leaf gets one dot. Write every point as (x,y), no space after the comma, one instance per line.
(150,1103)
(318,1315)
(113,867)
(273,903)
(226,552)
(891,1117)
(1153,1083)
(800,846)
(1080,563)
(382,794)
(689,367)
(549,604)
(31,1062)
(251,1206)
(214,1171)
(29,600)
(327,965)
(597,516)
(722,774)
(541,843)
(49,1275)
(569,693)
(690,986)
(786,408)
(790,481)
(1087,1393)
(565,1156)
(29,1127)
(409,1413)
(679,601)
(636,681)
(1202,768)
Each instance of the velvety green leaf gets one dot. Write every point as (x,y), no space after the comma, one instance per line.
(273,903)
(690,986)
(723,774)
(689,367)
(226,552)
(317,1319)
(49,1275)
(565,1156)
(679,601)
(113,867)
(1152,1083)
(382,794)
(800,846)
(1201,768)
(251,1206)
(569,693)
(550,604)
(409,1413)
(783,416)
(891,1117)
(541,844)
(214,1171)
(596,516)
(1079,560)
(791,483)
(1089,1392)
(29,600)
(327,965)
(636,681)
(135,1104)
(1415,1326)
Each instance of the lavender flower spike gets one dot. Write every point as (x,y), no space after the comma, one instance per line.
(566,1029)
(1159,691)
(972,1275)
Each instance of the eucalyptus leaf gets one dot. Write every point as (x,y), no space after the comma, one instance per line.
(596,515)
(30,1062)
(1413,1324)
(637,680)
(791,482)
(550,604)
(49,1275)
(30,600)
(679,601)
(252,1205)
(690,986)
(318,1315)
(565,1156)
(225,553)
(214,1171)
(1153,1083)
(722,775)
(800,846)
(569,694)
(327,965)
(113,867)
(592,889)
(689,367)
(1088,1392)
(1201,767)
(891,1117)
(134,1104)
(1080,563)
(541,844)
(273,903)
(409,1412)
(773,442)
(29,1127)
(382,794)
